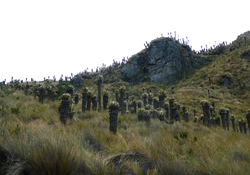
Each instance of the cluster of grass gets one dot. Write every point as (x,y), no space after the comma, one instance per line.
(35,142)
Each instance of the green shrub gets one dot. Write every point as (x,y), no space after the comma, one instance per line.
(183,135)
(63,83)
(8,92)
(16,129)
(15,110)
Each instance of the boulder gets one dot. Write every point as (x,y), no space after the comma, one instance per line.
(164,61)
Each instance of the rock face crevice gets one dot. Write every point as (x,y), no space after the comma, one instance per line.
(164,61)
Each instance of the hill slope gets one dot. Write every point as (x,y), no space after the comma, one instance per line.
(34,141)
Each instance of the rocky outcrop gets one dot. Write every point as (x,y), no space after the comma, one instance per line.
(164,61)
(78,82)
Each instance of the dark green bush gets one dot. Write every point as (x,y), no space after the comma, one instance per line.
(15,110)
(8,92)
(63,83)
(183,135)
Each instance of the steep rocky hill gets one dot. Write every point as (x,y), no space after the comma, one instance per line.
(164,61)
(220,74)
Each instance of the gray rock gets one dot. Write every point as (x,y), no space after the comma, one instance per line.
(227,82)
(78,82)
(165,61)
(226,79)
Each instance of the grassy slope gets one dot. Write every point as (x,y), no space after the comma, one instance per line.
(195,88)
(42,145)
(38,143)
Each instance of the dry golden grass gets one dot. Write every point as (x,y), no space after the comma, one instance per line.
(85,146)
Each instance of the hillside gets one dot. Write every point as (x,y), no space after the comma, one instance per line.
(225,75)
(33,139)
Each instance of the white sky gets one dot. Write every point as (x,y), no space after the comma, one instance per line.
(50,37)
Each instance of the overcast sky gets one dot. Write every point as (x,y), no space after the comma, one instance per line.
(49,37)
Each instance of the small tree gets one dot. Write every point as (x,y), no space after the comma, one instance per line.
(133,106)
(176,111)
(162,96)
(248,118)
(84,98)
(26,89)
(64,107)
(41,93)
(233,122)
(76,98)
(127,96)
(186,117)
(156,103)
(166,107)
(244,126)
(94,102)
(99,82)
(139,104)
(150,98)
(160,114)
(194,110)
(145,96)
(122,98)
(227,119)
(70,90)
(205,107)
(141,114)
(171,106)
(113,109)
(223,112)
(217,120)
(105,99)
(117,96)
(241,125)
(89,95)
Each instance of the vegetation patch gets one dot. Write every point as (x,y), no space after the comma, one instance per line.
(63,83)
(245,54)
